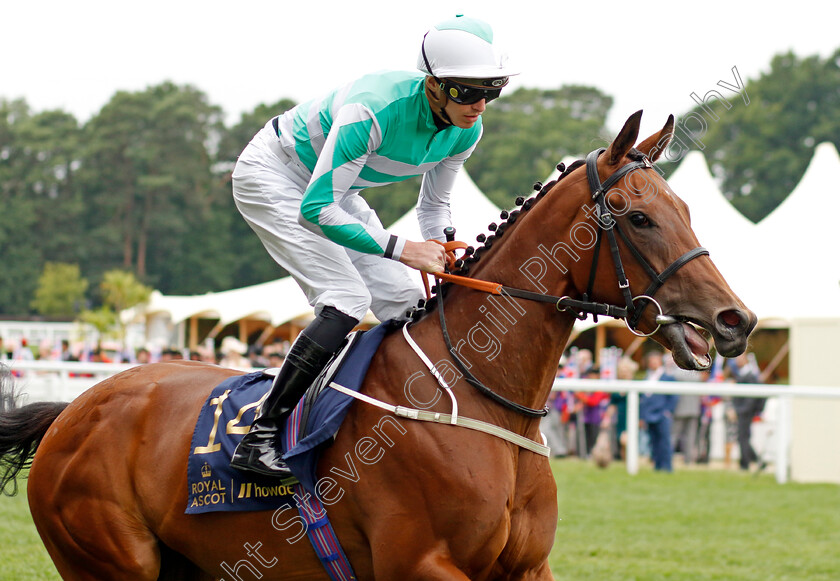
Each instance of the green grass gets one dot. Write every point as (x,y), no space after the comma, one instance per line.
(22,555)
(692,524)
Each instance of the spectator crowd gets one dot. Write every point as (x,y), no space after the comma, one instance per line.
(593,424)
(231,352)
(583,424)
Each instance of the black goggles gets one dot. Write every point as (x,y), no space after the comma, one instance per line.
(467,94)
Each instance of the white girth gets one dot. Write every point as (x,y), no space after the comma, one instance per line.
(443,418)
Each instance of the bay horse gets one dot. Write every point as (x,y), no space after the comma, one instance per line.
(107,486)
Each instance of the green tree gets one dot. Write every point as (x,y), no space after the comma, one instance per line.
(760,150)
(103,319)
(151,192)
(61,290)
(51,142)
(527,132)
(20,267)
(39,198)
(235,139)
(250,263)
(120,290)
(144,186)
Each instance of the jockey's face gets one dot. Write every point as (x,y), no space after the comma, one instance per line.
(464,116)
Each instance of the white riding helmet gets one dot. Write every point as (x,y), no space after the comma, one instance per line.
(462,47)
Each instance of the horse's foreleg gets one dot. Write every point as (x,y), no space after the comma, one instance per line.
(434,566)
(542,574)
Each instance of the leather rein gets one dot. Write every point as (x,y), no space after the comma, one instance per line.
(583,307)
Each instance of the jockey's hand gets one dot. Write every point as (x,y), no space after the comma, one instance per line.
(427,256)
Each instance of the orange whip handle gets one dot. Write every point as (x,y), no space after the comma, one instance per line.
(480,285)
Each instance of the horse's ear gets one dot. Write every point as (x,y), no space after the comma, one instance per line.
(654,145)
(626,139)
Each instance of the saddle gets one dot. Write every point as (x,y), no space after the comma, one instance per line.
(230,409)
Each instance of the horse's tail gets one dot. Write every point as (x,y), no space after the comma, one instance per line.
(21,430)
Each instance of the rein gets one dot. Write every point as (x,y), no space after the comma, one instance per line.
(474,381)
(580,308)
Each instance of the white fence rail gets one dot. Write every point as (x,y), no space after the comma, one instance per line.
(784,394)
(63,381)
(58,380)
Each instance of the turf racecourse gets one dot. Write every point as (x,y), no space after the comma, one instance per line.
(694,524)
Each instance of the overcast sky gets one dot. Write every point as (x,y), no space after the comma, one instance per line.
(647,55)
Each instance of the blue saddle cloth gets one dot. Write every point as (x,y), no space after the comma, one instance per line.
(228,413)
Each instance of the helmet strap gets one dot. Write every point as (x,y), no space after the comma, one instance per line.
(437,103)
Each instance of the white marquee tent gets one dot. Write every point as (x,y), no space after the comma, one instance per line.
(782,267)
(275,302)
(719,227)
(799,275)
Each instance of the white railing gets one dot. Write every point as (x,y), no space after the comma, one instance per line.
(65,380)
(784,394)
(58,380)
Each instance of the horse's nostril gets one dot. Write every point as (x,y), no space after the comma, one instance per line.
(730,318)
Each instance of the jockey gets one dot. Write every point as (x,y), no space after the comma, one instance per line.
(297,185)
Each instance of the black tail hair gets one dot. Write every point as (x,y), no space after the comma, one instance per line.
(21,431)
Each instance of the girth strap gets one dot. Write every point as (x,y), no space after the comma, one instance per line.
(443,418)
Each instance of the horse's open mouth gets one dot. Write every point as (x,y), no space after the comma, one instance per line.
(688,344)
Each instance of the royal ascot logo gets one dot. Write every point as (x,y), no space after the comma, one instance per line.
(208,493)
(206,472)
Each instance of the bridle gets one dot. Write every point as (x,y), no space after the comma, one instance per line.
(633,314)
(582,308)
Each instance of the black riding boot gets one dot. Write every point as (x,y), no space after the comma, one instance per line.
(259,451)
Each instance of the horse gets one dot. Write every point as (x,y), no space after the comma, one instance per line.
(408,500)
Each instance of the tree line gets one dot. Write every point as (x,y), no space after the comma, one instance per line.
(144,185)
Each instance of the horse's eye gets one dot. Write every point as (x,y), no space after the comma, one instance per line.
(640,220)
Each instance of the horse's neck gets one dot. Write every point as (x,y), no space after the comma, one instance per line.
(514,345)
